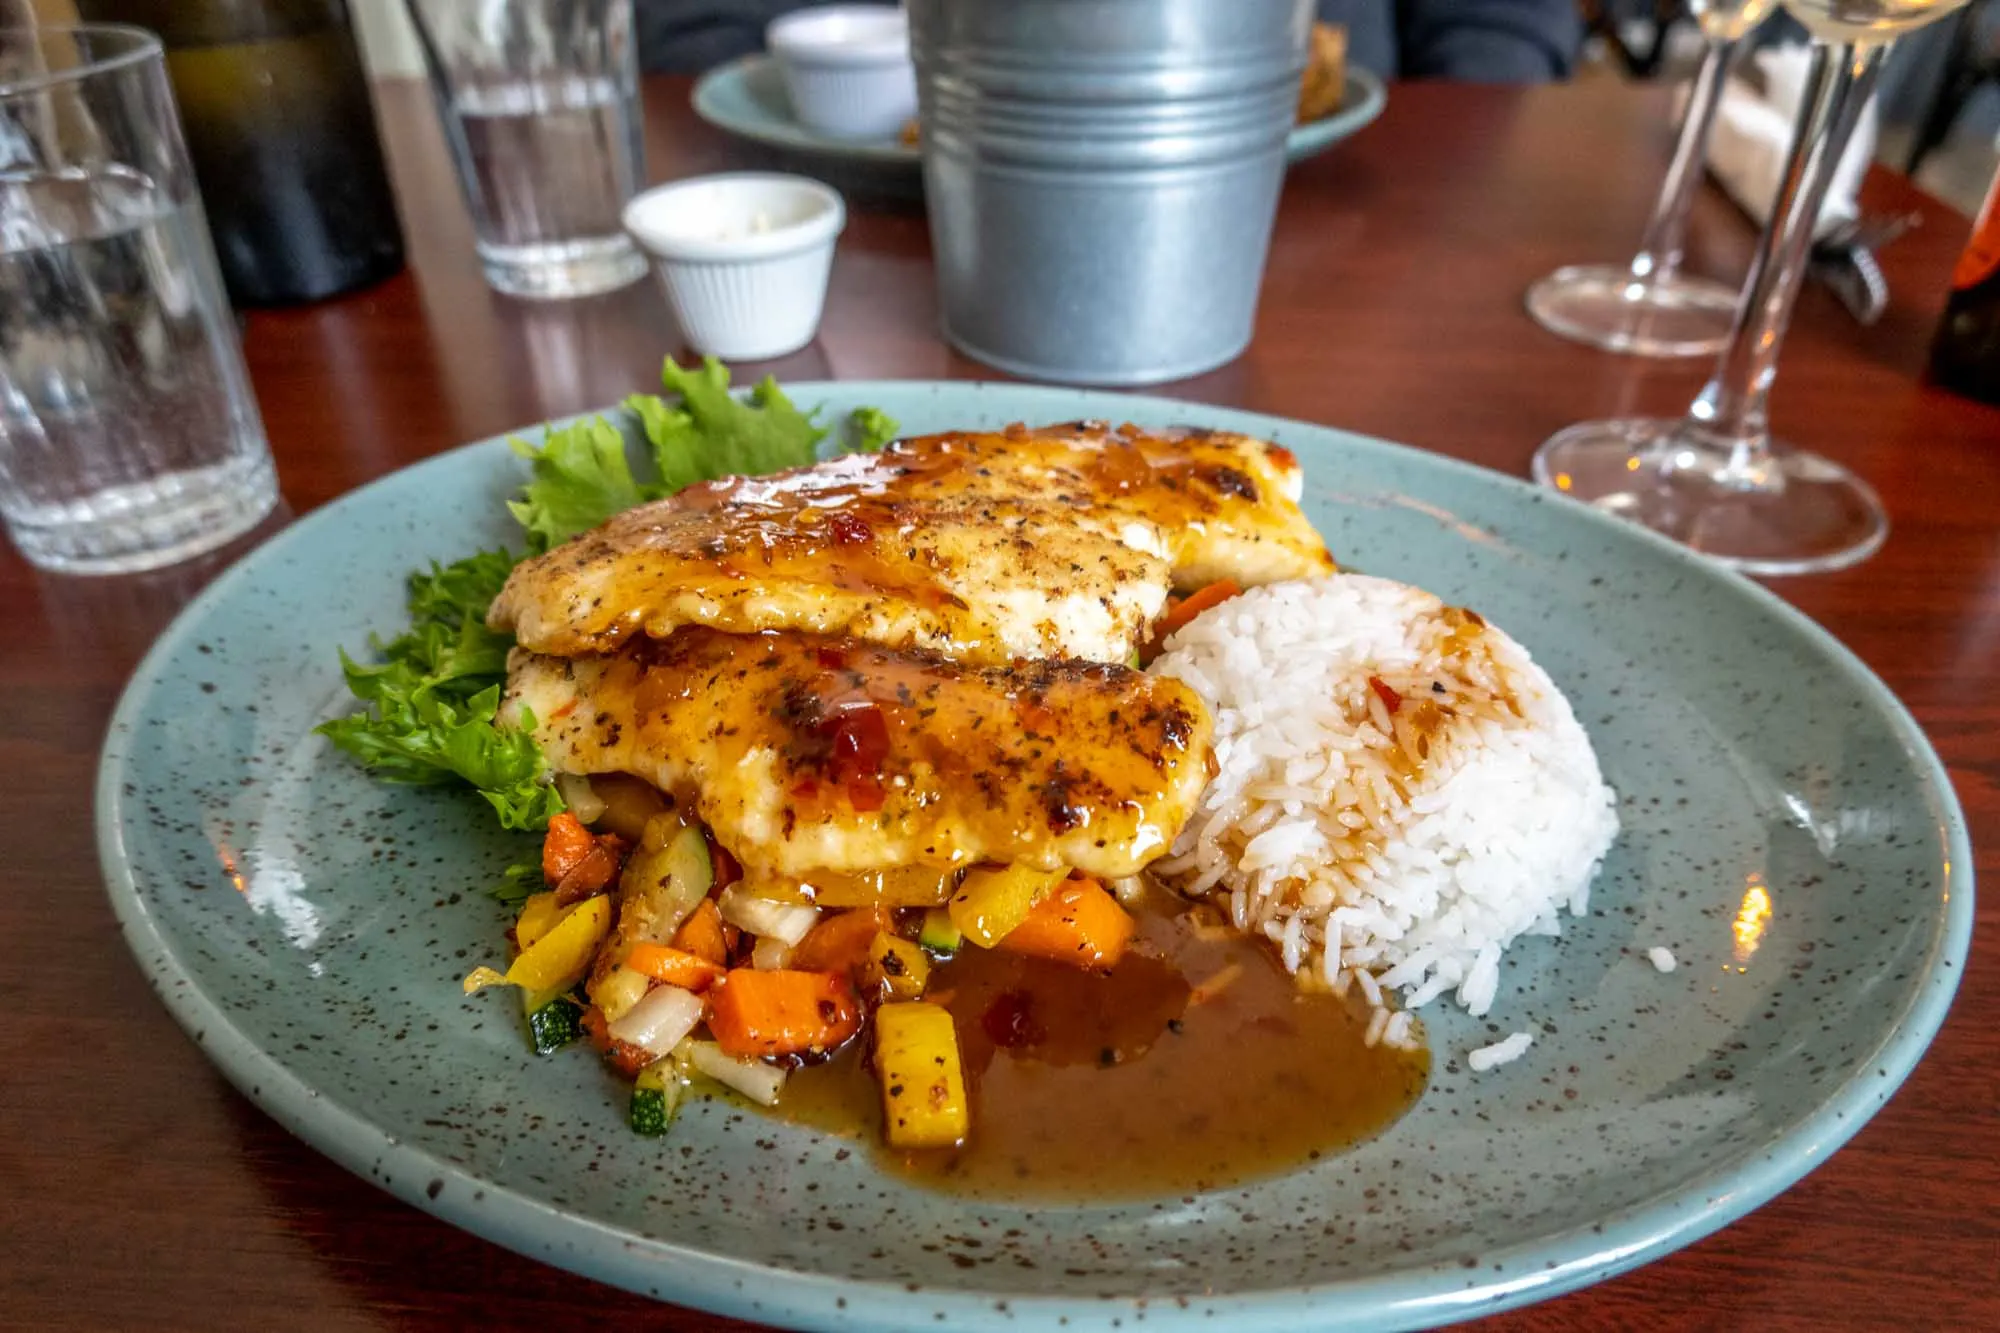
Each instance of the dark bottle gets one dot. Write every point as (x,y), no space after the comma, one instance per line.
(275,106)
(1966,355)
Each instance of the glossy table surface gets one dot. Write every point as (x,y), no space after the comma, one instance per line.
(140,1188)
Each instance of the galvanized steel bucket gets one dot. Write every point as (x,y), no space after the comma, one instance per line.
(1102,176)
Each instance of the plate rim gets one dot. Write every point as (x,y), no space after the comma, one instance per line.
(1514,1275)
(1302,142)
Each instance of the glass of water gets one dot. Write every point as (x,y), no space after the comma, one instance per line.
(540,104)
(129,438)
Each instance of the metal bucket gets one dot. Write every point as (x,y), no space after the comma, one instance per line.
(1102,176)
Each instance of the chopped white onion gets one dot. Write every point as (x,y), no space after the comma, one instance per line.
(659,1022)
(582,800)
(765,916)
(753,1078)
(769,953)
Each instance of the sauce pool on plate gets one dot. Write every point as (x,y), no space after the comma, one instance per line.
(1196,1064)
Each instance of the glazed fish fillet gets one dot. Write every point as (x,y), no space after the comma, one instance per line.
(1226,505)
(987,547)
(981,579)
(808,754)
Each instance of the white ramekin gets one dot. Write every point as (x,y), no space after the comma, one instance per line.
(744,257)
(847,69)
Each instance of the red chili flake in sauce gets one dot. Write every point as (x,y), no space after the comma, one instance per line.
(1386,693)
(860,739)
(848,530)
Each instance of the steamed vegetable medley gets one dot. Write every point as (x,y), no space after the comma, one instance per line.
(645,940)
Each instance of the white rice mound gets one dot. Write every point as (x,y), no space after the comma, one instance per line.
(1395,850)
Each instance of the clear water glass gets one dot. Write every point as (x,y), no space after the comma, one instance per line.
(540,105)
(129,438)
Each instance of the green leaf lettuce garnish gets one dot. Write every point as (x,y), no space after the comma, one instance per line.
(430,704)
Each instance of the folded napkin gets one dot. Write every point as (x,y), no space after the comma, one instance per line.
(1753,135)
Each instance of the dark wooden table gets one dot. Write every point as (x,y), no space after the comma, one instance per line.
(139,1189)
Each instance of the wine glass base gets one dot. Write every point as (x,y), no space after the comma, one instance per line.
(1608,307)
(1792,513)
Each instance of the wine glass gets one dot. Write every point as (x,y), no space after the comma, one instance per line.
(1649,307)
(1714,479)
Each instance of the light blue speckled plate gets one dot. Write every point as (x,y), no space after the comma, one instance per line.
(747,98)
(1788,834)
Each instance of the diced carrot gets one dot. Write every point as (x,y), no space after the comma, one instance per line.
(753,1013)
(1179,613)
(676,967)
(701,934)
(840,943)
(567,843)
(1078,923)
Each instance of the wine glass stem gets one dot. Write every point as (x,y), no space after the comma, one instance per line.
(1659,254)
(1730,410)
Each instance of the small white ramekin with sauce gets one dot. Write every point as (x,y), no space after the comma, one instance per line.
(744,258)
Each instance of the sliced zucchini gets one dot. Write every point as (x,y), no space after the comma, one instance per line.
(666,878)
(940,934)
(690,865)
(656,1098)
(554,1020)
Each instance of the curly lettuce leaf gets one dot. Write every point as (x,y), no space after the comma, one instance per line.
(710,433)
(705,432)
(869,430)
(430,704)
(580,477)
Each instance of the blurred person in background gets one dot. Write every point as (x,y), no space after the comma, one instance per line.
(1483,41)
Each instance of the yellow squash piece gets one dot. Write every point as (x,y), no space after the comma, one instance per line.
(559,958)
(993,900)
(898,967)
(538,914)
(923,1082)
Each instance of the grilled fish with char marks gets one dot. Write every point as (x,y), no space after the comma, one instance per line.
(805,754)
